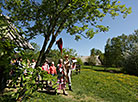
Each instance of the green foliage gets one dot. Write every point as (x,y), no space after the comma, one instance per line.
(102,59)
(6,54)
(55,55)
(95,52)
(116,46)
(130,64)
(29,82)
(92,60)
(113,52)
(50,18)
(32,54)
(79,61)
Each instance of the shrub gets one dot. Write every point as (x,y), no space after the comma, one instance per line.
(79,61)
(92,60)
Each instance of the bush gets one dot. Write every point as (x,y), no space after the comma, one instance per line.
(79,61)
(92,60)
(6,53)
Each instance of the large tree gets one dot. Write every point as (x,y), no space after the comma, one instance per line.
(50,17)
(95,52)
(130,63)
(113,52)
(117,46)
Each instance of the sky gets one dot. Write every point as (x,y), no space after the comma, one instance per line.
(118,26)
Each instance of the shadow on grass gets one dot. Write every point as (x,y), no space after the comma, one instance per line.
(110,71)
(103,69)
(48,90)
(7,94)
(7,98)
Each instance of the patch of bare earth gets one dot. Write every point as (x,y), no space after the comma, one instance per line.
(83,99)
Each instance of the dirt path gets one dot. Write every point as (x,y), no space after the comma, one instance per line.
(83,99)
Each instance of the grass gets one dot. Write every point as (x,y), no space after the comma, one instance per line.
(101,68)
(95,86)
(106,86)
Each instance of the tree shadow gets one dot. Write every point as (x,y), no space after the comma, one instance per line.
(48,90)
(7,98)
(110,71)
(104,69)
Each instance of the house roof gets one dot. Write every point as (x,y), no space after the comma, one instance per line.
(11,32)
(84,58)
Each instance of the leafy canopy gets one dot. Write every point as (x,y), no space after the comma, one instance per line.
(50,17)
(77,17)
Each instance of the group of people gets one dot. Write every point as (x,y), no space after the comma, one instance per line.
(63,70)
(19,65)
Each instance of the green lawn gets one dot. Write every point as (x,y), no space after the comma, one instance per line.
(95,86)
(101,68)
(105,86)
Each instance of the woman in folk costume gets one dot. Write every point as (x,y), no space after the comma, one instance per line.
(45,66)
(61,76)
(52,69)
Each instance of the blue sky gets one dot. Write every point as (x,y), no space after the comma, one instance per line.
(118,26)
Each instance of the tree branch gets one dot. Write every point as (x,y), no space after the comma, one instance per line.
(57,15)
(54,38)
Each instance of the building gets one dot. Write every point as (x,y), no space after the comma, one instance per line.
(85,60)
(8,30)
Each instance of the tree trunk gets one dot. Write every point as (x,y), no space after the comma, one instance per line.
(43,53)
(3,79)
(39,60)
(49,47)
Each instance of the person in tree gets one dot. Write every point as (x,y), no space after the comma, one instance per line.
(61,76)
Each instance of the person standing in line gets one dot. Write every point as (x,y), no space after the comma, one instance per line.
(61,76)
(68,68)
(52,69)
(27,65)
(46,66)
(32,64)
